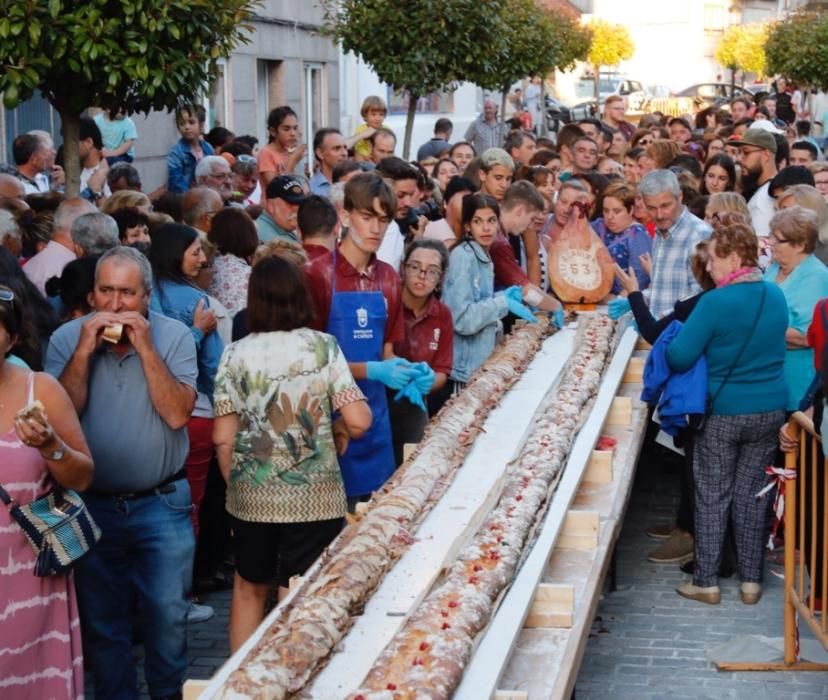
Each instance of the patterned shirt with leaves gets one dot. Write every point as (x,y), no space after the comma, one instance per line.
(283,386)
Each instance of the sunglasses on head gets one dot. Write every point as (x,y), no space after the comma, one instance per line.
(6,294)
(244,158)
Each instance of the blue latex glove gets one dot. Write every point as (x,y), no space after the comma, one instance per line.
(558,318)
(413,395)
(618,307)
(395,372)
(518,309)
(425,379)
(515,293)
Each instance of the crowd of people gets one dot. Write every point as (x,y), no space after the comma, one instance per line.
(231,363)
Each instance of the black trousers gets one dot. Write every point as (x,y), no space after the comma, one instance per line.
(408,424)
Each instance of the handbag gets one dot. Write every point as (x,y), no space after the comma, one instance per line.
(58,526)
(698,420)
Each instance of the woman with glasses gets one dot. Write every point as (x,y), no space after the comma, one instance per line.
(40,650)
(429,337)
(804,281)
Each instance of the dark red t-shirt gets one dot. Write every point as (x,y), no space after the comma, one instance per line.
(379,276)
(429,338)
(314,251)
(507,271)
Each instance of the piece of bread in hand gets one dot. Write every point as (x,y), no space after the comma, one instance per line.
(113,333)
(34,410)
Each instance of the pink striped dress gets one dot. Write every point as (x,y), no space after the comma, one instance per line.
(40,643)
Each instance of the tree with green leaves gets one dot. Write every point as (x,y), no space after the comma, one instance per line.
(611,44)
(796,49)
(140,55)
(533,41)
(417,46)
(742,48)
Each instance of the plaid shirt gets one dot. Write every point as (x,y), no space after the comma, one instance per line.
(672,278)
(484,136)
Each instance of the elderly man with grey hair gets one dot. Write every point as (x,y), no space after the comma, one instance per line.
(123,176)
(677,233)
(144,378)
(10,233)
(61,250)
(214,172)
(94,233)
(487,131)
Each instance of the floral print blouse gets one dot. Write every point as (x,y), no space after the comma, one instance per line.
(283,386)
(230,277)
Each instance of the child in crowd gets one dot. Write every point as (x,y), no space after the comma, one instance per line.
(119,135)
(191,148)
(373,112)
(283,151)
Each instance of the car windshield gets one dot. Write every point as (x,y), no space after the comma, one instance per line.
(585,87)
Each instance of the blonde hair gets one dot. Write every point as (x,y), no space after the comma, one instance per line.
(373,102)
(818,166)
(288,250)
(724,202)
(662,152)
(125,199)
(809,197)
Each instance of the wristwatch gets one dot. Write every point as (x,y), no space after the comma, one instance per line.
(57,455)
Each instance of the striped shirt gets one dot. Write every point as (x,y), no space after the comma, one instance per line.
(672,249)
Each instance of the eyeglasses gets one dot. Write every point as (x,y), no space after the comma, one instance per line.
(775,239)
(244,158)
(431,273)
(748,151)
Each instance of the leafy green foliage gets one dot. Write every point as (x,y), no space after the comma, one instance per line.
(420,46)
(142,54)
(796,49)
(533,41)
(742,47)
(138,54)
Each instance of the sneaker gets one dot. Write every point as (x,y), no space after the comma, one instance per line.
(678,549)
(750,593)
(704,594)
(661,532)
(199,613)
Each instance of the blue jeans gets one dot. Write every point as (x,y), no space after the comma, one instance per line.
(146,553)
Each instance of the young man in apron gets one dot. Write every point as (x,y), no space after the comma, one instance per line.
(357,299)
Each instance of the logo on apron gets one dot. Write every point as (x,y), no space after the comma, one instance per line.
(362,317)
(434,344)
(362,332)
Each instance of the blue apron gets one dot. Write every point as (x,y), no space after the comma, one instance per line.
(357,321)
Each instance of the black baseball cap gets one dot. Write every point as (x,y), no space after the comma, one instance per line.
(286,187)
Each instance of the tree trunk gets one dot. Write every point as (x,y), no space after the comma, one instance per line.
(504,95)
(409,123)
(544,127)
(70,129)
(597,70)
(732,82)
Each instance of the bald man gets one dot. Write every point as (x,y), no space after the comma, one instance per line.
(11,187)
(198,207)
(61,250)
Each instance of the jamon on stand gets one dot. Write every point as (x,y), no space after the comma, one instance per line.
(307,628)
(581,268)
(427,656)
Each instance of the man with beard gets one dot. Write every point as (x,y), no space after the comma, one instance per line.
(758,150)
(214,172)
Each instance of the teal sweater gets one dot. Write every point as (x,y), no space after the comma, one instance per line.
(718,328)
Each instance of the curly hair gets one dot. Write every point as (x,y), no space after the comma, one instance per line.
(733,233)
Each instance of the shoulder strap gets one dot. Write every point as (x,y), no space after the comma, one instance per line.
(4,496)
(30,397)
(744,346)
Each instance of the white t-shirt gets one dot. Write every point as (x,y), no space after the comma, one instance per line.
(392,248)
(762,209)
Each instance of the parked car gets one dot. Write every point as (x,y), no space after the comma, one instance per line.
(716,94)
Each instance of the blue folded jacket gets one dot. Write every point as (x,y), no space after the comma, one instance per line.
(677,394)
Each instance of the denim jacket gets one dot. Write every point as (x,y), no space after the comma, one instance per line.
(476,310)
(179,300)
(181,165)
